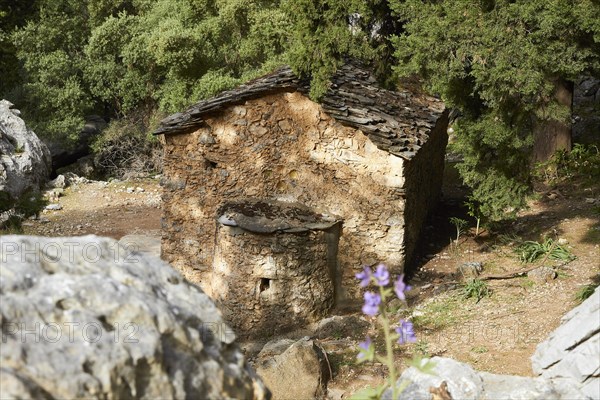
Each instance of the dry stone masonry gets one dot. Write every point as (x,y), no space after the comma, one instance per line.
(369,158)
(274,261)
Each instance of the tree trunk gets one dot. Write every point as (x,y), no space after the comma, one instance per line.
(551,135)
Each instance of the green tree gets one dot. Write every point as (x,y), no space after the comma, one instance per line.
(204,47)
(13,15)
(116,57)
(50,48)
(325,32)
(505,65)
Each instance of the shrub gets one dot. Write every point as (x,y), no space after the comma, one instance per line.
(459,224)
(12,211)
(127,148)
(583,161)
(584,292)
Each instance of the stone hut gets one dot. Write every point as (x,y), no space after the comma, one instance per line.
(363,168)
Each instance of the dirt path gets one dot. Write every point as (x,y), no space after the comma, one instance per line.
(498,333)
(112,209)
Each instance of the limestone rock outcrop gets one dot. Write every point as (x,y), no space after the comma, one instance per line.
(456,380)
(84,317)
(572,351)
(24,158)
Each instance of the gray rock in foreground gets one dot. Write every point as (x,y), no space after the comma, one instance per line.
(573,349)
(24,159)
(83,317)
(464,383)
(142,243)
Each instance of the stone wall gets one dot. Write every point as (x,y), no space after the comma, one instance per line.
(262,278)
(273,261)
(423,175)
(284,147)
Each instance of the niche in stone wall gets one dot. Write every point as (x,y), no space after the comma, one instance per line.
(275,265)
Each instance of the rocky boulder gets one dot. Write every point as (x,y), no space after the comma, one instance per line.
(24,158)
(572,351)
(84,317)
(294,370)
(455,380)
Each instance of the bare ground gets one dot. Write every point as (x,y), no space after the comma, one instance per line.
(105,209)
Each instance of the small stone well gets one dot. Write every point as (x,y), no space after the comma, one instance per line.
(275,265)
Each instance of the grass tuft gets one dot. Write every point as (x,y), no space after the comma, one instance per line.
(584,292)
(531,251)
(476,288)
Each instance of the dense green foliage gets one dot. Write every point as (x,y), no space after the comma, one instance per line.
(113,57)
(583,161)
(12,16)
(325,32)
(496,61)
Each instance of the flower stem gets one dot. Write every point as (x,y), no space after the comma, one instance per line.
(388,345)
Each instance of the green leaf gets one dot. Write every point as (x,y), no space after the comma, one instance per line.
(386,293)
(369,393)
(424,365)
(366,393)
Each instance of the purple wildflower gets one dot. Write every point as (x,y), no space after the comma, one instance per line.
(381,275)
(406,332)
(400,287)
(371,306)
(366,344)
(365,277)
(365,348)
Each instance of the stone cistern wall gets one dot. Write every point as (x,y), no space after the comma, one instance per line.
(273,261)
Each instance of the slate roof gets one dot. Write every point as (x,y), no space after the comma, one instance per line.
(396,121)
